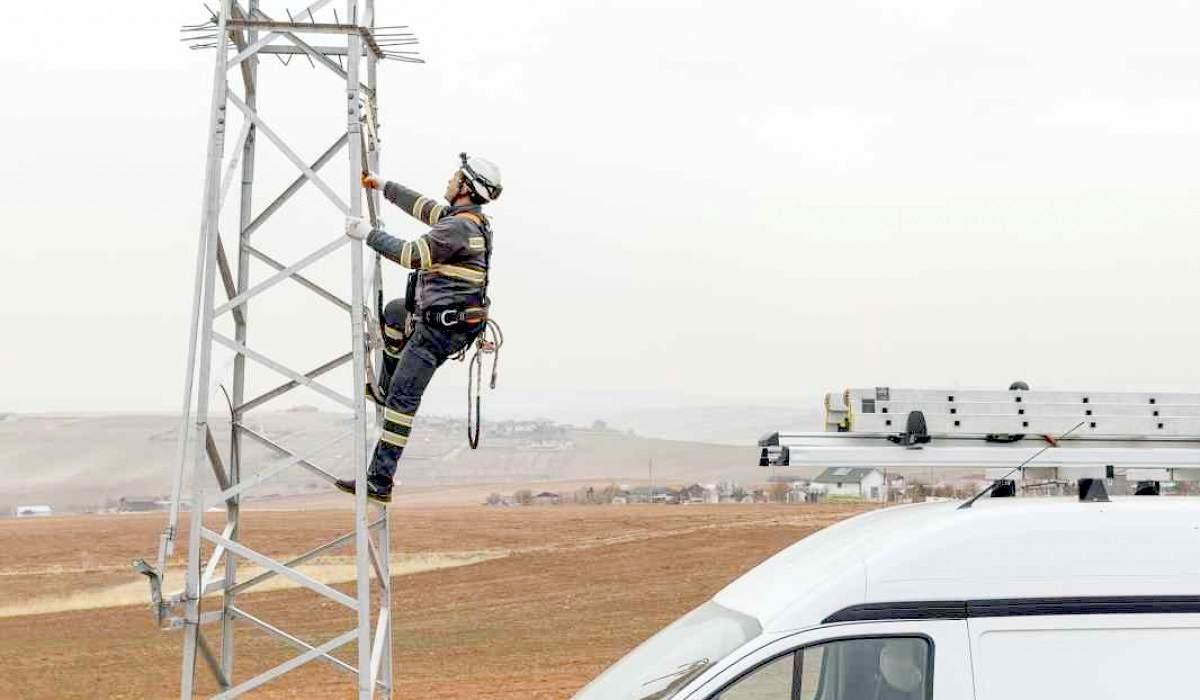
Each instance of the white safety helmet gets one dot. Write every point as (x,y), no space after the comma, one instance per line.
(481,176)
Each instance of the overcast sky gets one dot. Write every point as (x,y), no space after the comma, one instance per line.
(706,202)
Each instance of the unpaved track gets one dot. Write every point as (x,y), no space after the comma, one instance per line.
(575,588)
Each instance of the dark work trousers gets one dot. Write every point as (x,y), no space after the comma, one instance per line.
(406,378)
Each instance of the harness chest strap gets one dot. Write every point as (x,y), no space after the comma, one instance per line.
(448,316)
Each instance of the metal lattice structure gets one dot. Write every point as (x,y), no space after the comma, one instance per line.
(351,47)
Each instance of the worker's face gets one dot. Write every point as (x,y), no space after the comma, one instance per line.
(454,186)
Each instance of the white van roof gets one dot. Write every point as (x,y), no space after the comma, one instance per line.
(1001,548)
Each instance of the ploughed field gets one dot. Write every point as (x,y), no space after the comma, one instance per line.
(488,602)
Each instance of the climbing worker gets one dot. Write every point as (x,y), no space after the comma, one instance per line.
(447,298)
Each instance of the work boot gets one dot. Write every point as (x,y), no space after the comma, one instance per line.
(373,492)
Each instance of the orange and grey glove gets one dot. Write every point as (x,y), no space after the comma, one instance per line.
(372,181)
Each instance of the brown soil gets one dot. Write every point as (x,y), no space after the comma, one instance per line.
(578,587)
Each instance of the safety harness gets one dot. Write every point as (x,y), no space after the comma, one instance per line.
(483,346)
(447,317)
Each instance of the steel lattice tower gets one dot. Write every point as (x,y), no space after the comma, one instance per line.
(240,36)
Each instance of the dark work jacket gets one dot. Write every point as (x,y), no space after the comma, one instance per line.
(451,259)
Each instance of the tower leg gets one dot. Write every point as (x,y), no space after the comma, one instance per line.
(241,321)
(361,533)
(216,148)
(384,531)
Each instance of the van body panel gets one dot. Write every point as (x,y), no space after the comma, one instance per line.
(1133,546)
(1099,657)
(999,548)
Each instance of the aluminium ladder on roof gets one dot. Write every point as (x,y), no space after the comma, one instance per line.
(1074,434)
(1124,415)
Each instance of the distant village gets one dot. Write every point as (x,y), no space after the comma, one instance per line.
(832,485)
(835,485)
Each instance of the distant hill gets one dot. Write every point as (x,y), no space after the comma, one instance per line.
(691,418)
(724,423)
(88,461)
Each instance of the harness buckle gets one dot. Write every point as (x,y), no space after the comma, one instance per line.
(448,312)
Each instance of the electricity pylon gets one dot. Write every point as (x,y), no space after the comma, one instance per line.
(351,47)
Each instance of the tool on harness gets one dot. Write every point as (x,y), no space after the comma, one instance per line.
(483,346)
(410,291)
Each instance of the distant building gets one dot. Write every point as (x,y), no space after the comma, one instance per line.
(798,492)
(666,495)
(699,493)
(32,511)
(849,482)
(547,498)
(140,505)
(661,494)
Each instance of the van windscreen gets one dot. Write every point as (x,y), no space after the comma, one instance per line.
(666,662)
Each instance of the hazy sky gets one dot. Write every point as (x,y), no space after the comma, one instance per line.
(705,201)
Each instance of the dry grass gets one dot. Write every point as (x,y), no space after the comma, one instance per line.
(326,570)
(576,588)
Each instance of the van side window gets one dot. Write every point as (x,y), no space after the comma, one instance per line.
(773,680)
(869,668)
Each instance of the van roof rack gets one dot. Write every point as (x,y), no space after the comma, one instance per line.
(1147,437)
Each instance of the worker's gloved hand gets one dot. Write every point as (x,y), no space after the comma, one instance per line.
(372,181)
(356,228)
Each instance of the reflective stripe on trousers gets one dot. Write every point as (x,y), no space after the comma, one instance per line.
(406,379)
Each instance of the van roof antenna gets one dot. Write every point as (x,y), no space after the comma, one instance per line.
(990,487)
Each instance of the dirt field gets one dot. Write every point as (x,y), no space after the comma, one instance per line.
(562,592)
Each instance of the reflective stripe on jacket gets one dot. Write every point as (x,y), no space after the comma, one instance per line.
(452,258)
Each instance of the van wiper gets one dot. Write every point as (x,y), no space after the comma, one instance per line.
(685,674)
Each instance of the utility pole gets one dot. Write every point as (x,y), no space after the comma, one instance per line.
(338,46)
(651,469)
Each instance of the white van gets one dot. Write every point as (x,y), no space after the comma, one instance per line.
(1012,599)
